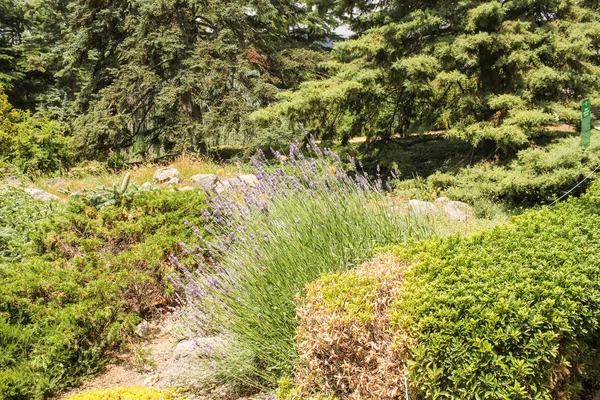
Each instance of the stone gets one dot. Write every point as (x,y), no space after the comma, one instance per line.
(248,179)
(423,207)
(185,348)
(202,347)
(57,183)
(442,200)
(240,181)
(455,213)
(143,329)
(11,180)
(167,176)
(463,206)
(187,188)
(152,379)
(205,181)
(146,187)
(457,210)
(40,195)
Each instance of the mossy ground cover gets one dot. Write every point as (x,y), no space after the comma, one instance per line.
(509,313)
(87,278)
(127,393)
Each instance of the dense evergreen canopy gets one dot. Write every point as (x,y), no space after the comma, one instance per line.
(485,70)
(151,75)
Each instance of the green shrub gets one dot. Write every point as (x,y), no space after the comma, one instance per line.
(91,277)
(19,213)
(301,220)
(535,176)
(35,144)
(511,313)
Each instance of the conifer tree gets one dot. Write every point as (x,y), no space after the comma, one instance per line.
(496,70)
(159,74)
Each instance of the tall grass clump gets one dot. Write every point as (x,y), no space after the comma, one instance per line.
(303,218)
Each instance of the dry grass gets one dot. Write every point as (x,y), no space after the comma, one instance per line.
(93,175)
(346,348)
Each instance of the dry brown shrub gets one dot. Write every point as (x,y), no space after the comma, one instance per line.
(345,344)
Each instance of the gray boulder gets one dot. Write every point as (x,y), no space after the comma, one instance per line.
(205,181)
(248,179)
(40,195)
(239,182)
(167,176)
(11,181)
(423,207)
(143,330)
(457,210)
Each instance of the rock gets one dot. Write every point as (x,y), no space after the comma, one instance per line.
(423,207)
(146,187)
(185,348)
(167,176)
(205,181)
(11,180)
(187,188)
(57,183)
(203,347)
(143,329)
(152,379)
(248,179)
(455,213)
(457,210)
(239,182)
(442,200)
(463,206)
(40,195)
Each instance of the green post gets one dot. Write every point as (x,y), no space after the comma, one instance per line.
(586,123)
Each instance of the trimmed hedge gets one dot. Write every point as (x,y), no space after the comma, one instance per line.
(512,313)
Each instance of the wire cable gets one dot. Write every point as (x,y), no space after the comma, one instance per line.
(576,186)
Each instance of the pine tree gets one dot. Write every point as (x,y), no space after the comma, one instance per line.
(29,30)
(153,75)
(483,70)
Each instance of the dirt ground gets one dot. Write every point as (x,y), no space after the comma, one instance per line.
(157,362)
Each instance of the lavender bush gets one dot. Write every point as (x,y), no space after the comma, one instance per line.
(304,218)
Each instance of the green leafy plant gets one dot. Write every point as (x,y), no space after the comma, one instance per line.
(102,197)
(513,312)
(89,277)
(302,219)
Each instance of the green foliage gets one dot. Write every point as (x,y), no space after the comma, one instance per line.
(510,313)
(102,197)
(485,70)
(153,76)
(93,275)
(20,214)
(24,72)
(536,175)
(35,144)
